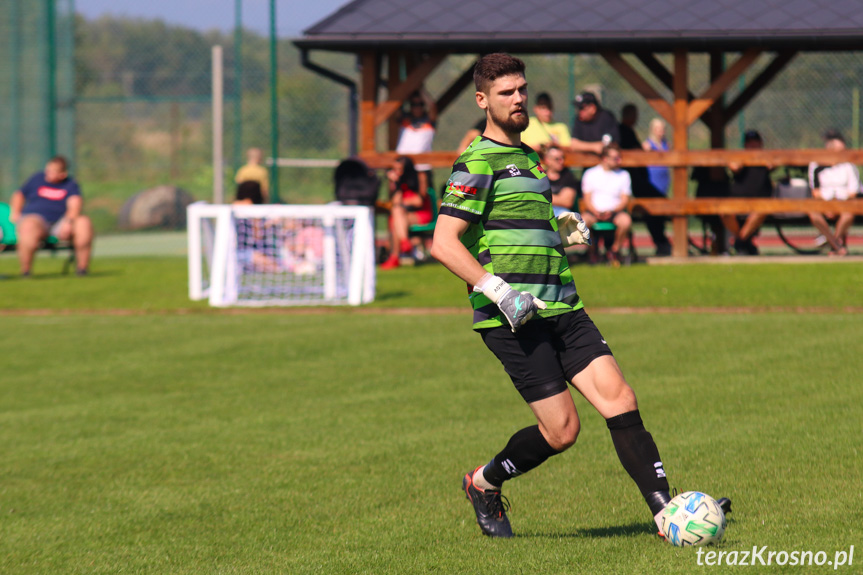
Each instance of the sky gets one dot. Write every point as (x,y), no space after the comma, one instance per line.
(292,16)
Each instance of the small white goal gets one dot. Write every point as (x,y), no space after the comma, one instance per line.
(268,255)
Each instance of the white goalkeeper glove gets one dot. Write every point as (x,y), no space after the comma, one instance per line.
(573,231)
(517,306)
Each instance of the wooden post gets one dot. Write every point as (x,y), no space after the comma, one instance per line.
(680,177)
(393,80)
(716,116)
(368,102)
(628,73)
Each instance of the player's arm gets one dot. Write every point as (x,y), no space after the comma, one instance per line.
(587,200)
(814,181)
(565,198)
(431,105)
(624,203)
(16,204)
(265,186)
(853,181)
(626,194)
(449,251)
(517,307)
(74,205)
(577,145)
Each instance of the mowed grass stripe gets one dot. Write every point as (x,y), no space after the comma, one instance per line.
(335,444)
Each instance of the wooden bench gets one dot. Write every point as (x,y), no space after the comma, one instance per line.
(780,208)
(743,206)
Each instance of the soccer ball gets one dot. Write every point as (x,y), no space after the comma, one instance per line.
(693,518)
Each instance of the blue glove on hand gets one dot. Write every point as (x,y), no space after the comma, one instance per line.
(517,307)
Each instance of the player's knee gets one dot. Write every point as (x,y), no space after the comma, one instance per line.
(564,436)
(626,400)
(82,231)
(29,231)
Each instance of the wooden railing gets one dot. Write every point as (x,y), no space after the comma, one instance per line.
(734,206)
(636,158)
(679,209)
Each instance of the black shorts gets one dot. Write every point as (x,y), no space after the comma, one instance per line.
(546,353)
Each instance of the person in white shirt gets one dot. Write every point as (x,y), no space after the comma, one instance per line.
(417,131)
(607,189)
(836,182)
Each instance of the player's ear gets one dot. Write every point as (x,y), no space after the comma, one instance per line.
(482,100)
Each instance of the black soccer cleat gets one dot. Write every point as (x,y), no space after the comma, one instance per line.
(724,504)
(490,507)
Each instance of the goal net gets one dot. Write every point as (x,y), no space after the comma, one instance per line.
(264,255)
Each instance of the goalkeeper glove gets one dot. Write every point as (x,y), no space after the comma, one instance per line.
(517,307)
(573,231)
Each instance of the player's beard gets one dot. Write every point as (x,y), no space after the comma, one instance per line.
(510,124)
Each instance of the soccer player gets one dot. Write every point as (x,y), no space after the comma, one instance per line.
(497,232)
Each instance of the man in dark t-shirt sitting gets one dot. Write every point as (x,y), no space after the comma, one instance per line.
(594,127)
(49,204)
(748,182)
(641,185)
(564,185)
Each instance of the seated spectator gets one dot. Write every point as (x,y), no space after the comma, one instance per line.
(254,171)
(837,182)
(50,204)
(659,176)
(713,182)
(593,127)
(249,192)
(543,131)
(417,132)
(256,241)
(564,184)
(641,184)
(410,205)
(748,182)
(607,190)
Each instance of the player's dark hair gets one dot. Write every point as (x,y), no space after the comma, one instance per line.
(493,66)
(250,190)
(544,99)
(608,148)
(410,178)
(61,160)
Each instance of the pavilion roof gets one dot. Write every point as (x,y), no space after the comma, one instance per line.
(547,26)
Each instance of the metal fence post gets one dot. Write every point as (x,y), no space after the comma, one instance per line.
(274,107)
(238,83)
(218,131)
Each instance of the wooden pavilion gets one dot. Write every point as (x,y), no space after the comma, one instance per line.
(390,36)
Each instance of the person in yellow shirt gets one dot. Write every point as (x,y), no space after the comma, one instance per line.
(543,131)
(254,171)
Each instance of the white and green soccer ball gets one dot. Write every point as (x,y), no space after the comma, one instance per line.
(693,518)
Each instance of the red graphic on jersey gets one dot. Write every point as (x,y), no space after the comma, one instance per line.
(466,190)
(539,167)
(52,193)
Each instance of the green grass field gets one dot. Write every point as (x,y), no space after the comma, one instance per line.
(144,433)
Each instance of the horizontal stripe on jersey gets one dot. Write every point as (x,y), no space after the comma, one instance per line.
(505,195)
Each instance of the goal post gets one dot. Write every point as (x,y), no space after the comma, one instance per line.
(270,255)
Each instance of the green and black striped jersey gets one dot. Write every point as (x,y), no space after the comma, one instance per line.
(503,192)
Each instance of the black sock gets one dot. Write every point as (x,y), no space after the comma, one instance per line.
(639,455)
(526,449)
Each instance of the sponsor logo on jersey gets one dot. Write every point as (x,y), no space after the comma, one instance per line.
(51,193)
(459,188)
(513,170)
